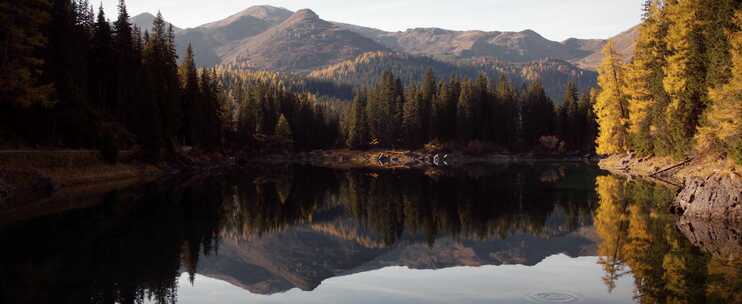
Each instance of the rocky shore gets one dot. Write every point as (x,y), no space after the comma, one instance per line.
(708,188)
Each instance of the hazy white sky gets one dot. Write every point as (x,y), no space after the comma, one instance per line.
(554,19)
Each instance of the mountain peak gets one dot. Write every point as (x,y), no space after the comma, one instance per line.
(144,21)
(305,14)
(271,14)
(147,15)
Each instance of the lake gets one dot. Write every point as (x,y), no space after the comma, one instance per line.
(514,233)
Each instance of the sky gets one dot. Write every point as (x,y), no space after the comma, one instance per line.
(554,19)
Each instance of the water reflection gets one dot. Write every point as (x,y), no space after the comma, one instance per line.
(271,232)
(638,237)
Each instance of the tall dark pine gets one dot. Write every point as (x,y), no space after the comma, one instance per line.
(537,114)
(569,129)
(126,64)
(191,101)
(428,91)
(102,94)
(358,136)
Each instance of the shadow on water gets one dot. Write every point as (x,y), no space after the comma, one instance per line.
(268,233)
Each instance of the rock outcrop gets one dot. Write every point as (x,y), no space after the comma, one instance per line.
(718,196)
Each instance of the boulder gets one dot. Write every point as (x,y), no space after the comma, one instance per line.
(718,196)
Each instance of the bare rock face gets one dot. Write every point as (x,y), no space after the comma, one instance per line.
(718,196)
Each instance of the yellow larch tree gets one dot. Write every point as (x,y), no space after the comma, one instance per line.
(611,106)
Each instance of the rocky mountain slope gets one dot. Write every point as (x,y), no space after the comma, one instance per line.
(144,22)
(299,43)
(277,39)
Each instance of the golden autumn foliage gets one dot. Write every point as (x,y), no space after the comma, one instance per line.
(685,73)
(679,91)
(644,76)
(721,130)
(611,106)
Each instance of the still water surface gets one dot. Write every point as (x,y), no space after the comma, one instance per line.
(519,233)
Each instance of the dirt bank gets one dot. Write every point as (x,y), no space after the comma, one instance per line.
(31,175)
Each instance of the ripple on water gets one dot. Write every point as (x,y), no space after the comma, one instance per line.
(554,297)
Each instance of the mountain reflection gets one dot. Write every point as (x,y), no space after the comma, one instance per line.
(269,232)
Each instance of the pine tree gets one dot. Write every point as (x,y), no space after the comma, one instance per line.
(506,115)
(644,76)
(568,127)
(428,90)
(126,62)
(537,115)
(247,122)
(685,80)
(191,99)
(721,130)
(358,137)
(160,61)
(102,93)
(466,122)
(412,119)
(589,123)
(485,104)
(385,110)
(444,110)
(611,104)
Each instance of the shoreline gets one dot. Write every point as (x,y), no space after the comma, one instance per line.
(708,188)
(33,175)
(402,159)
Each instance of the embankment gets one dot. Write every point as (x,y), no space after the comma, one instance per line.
(31,175)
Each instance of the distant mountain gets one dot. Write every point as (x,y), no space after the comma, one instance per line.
(269,14)
(624,42)
(213,41)
(144,22)
(517,47)
(277,39)
(300,43)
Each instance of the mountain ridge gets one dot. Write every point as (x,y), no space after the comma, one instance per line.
(277,39)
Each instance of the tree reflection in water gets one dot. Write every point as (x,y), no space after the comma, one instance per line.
(134,245)
(639,236)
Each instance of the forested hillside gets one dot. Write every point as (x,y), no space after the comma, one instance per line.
(367,68)
(682,92)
